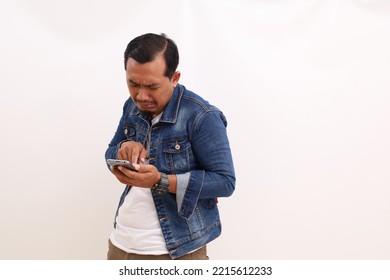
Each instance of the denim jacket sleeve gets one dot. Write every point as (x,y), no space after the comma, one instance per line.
(215,176)
(118,138)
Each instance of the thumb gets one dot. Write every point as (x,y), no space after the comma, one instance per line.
(143,168)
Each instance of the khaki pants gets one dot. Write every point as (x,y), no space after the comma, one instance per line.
(115,253)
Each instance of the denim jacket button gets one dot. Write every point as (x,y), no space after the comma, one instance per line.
(163,219)
(177,147)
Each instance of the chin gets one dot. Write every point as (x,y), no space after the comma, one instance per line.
(147,114)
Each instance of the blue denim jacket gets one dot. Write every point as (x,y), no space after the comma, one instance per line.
(191,139)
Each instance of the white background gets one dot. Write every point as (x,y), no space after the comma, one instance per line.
(304,85)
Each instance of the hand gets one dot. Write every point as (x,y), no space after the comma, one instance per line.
(146,177)
(132,151)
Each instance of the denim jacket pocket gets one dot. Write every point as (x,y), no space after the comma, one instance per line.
(178,155)
(129,132)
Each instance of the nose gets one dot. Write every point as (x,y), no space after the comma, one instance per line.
(143,94)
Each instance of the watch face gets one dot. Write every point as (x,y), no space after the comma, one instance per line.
(159,189)
(162,187)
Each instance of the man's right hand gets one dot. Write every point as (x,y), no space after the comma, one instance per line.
(132,151)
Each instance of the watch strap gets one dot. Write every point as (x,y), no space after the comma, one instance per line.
(162,187)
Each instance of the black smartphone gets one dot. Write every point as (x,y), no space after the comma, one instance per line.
(119,162)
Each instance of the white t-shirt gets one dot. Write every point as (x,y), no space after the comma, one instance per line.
(137,226)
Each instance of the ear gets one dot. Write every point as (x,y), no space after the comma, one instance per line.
(175,78)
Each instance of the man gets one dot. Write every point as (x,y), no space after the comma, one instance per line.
(179,147)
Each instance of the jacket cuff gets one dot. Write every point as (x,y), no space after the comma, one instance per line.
(181,187)
(191,194)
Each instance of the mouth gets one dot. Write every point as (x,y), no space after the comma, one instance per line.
(146,106)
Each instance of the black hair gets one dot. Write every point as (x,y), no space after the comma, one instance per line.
(146,47)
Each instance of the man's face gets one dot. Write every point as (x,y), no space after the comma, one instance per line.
(148,87)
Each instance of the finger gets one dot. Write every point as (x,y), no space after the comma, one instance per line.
(119,175)
(130,151)
(125,175)
(138,153)
(116,171)
(125,153)
(127,149)
(135,155)
(142,156)
(121,154)
(145,168)
(137,166)
(127,172)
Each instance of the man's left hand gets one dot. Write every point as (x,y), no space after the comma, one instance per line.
(146,175)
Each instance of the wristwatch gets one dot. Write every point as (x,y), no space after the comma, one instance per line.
(162,187)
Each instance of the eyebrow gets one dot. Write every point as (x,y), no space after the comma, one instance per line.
(147,85)
(131,81)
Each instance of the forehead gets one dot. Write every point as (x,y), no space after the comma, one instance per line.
(153,70)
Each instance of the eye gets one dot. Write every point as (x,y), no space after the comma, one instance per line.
(133,85)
